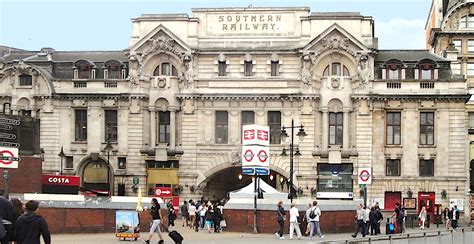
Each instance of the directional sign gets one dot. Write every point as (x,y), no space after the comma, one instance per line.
(7,136)
(9,121)
(255,135)
(9,157)
(364,176)
(9,144)
(255,156)
(163,192)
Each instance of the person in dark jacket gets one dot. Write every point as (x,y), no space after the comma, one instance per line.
(373,221)
(217,218)
(210,217)
(281,220)
(18,210)
(6,215)
(30,226)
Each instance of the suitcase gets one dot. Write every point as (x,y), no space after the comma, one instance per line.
(389,228)
(176,237)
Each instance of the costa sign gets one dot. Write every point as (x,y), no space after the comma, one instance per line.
(364,175)
(9,157)
(61,180)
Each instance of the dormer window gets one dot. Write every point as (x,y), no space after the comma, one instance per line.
(393,70)
(25,80)
(335,70)
(427,71)
(165,69)
(112,70)
(84,70)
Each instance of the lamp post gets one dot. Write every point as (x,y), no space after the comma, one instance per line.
(108,147)
(301,134)
(61,155)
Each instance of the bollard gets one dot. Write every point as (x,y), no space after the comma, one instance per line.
(439,237)
(452,236)
(408,238)
(390,239)
(370,240)
(463,236)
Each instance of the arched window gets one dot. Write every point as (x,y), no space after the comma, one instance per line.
(393,70)
(84,70)
(165,69)
(336,69)
(112,70)
(426,70)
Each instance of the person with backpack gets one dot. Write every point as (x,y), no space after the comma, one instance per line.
(314,215)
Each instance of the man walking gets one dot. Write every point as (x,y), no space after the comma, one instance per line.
(294,225)
(360,221)
(185,213)
(30,226)
(454,222)
(314,221)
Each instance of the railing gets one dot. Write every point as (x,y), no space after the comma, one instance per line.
(80,84)
(110,84)
(394,85)
(427,85)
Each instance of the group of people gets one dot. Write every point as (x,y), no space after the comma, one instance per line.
(311,217)
(202,215)
(368,219)
(452,217)
(21,223)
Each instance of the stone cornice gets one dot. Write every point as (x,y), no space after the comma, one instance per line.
(260,97)
(96,96)
(413,97)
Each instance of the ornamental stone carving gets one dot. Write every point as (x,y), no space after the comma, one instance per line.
(135,71)
(364,69)
(161,44)
(188,73)
(307,61)
(335,43)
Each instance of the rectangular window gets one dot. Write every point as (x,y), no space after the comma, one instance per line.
(393,167)
(470,45)
(393,74)
(165,69)
(471,121)
(164,127)
(470,69)
(457,44)
(456,68)
(248,68)
(222,127)
(470,21)
(111,125)
(393,128)
(426,167)
(274,122)
(248,117)
(335,128)
(69,162)
(336,69)
(335,177)
(26,80)
(275,66)
(463,22)
(426,128)
(426,74)
(122,162)
(221,66)
(80,124)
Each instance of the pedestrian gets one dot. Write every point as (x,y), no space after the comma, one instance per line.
(404,211)
(399,215)
(454,221)
(185,214)
(314,215)
(281,220)
(306,218)
(192,213)
(294,223)
(171,215)
(422,217)
(360,221)
(18,210)
(6,215)
(367,219)
(30,226)
(447,216)
(373,221)
(217,218)
(379,218)
(210,217)
(202,215)
(156,221)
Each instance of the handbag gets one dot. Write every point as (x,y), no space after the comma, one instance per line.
(223,224)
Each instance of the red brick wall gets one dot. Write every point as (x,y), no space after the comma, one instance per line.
(242,221)
(27,178)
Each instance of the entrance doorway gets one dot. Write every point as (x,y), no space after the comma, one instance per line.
(427,200)
(231,179)
(96,178)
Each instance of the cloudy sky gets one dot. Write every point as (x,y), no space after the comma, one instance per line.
(105,24)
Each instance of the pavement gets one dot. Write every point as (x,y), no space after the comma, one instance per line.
(203,237)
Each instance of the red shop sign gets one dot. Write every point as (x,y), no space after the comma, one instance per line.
(61,180)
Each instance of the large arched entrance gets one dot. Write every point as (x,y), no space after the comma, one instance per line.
(97,177)
(218,185)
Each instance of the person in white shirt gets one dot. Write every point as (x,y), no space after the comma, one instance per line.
(202,213)
(314,222)
(294,225)
(192,214)
(422,217)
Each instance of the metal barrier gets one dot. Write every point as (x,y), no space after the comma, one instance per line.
(460,236)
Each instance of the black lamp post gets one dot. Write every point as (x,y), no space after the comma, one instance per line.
(301,134)
(61,155)
(108,147)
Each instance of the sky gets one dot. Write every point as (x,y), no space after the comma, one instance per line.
(105,24)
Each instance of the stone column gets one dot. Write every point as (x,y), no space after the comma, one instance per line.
(325,129)
(152,127)
(345,129)
(172,127)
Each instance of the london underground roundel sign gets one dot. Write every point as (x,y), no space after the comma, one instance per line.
(364,175)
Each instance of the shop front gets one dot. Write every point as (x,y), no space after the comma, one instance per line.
(59,184)
(335,181)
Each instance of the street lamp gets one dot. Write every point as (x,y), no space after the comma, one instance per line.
(301,134)
(108,147)
(61,155)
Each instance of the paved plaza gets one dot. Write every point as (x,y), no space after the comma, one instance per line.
(234,238)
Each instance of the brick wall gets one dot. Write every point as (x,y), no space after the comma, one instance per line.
(242,221)
(27,178)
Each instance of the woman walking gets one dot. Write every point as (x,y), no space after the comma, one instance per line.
(294,225)
(307,219)
(281,220)
(156,221)
(192,214)
(210,217)
(422,217)
(447,216)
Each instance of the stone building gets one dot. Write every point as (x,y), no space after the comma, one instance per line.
(450,33)
(168,110)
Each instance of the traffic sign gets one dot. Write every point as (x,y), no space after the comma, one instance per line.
(9,157)
(364,176)
(163,192)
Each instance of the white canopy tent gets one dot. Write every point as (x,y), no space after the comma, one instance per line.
(248,192)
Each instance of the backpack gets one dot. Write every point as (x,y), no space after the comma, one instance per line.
(312,214)
(401,215)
